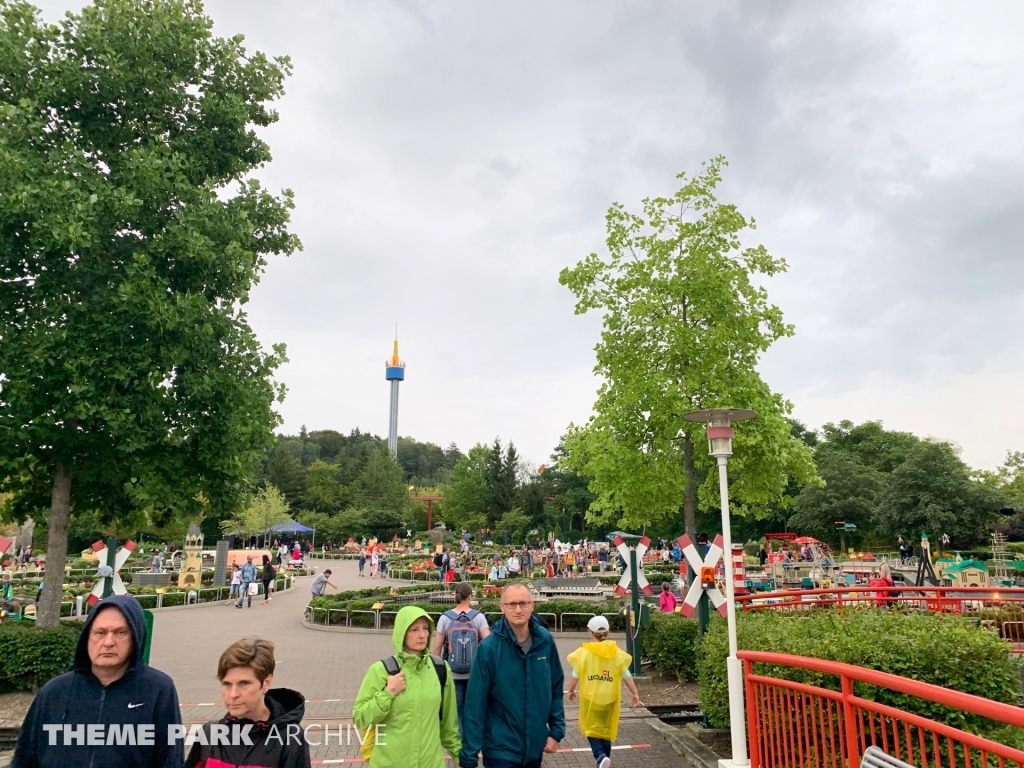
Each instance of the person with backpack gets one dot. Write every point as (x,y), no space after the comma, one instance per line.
(439,564)
(459,632)
(885,597)
(409,701)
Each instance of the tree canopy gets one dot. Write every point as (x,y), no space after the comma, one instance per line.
(932,491)
(685,320)
(130,237)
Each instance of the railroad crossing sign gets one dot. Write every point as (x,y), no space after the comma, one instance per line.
(109,582)
(641,581)
(705,568)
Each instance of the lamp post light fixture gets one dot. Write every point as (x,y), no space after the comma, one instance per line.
(720,434)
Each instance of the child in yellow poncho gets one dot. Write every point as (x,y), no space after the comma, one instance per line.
(599,668)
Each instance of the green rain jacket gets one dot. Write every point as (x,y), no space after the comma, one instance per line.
(411,735)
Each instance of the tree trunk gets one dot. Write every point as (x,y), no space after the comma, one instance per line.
(56,549)
(690,499)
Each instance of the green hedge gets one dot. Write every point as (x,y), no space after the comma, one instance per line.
(672,644)
(947,651)
(31,655)
(320,605)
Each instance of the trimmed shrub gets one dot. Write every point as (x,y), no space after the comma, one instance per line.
(672,644)
(31,655)
(948,651)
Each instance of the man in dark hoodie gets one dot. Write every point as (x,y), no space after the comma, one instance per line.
(515,689)
(262,728)
(111,709)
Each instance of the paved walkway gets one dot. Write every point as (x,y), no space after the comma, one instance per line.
(328,666)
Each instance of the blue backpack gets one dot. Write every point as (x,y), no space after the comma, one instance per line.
(461,641)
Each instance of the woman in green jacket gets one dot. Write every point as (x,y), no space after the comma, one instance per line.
(416,718)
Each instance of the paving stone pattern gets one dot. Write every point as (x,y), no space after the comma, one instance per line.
(327,666)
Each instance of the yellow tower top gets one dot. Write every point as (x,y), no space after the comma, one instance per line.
(394,357)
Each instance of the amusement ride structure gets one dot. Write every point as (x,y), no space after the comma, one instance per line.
(394,371)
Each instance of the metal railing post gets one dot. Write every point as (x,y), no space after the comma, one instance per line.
(849,723)
(753,716)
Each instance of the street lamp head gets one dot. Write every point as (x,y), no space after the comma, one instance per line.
(720,431)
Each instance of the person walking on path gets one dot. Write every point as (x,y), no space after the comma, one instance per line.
(409,700)
(236,583)
(374,563)
(600,668)
(459,633)
(668,600)
(513,565)
(248,577)
(245,671)
(269,577)
(514,712)
(320,584)
(362,563)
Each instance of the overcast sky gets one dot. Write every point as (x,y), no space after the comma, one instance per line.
(449,158)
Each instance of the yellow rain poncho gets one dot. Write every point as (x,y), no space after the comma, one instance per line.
(600,667)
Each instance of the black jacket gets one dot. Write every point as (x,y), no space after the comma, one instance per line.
(278,743)
(143,696)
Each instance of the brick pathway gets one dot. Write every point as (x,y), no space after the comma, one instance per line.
(327,667)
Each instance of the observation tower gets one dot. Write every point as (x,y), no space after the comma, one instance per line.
(394,371)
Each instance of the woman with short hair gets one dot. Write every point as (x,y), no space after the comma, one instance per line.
(245,671)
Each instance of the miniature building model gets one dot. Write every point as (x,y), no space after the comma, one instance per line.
(191,572)
(946,562)
(966,573)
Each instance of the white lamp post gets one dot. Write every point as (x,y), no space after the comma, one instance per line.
(720,434)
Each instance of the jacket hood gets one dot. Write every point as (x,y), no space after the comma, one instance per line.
(606,649)
(403,620)
(291,706)
(132,612)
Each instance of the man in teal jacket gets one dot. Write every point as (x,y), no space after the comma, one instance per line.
(515,688)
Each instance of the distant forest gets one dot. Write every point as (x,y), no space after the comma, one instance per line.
(424,464)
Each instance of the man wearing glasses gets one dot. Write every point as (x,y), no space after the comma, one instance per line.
(111,709)
(516,689)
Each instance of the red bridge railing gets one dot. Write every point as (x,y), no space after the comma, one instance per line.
(1000,608)
(792,724)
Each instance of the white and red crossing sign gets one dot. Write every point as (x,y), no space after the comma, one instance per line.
(105,572)
(641,581)
(698,563)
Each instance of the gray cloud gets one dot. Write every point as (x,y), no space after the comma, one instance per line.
(449,158)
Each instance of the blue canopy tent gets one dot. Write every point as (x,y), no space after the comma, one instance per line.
(294,528)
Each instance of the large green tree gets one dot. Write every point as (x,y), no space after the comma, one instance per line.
(875,447)
(932,491)
(381,484)
(502,481)
(850,494)
(685,319)
(324,491)
(467,494)
(130,237)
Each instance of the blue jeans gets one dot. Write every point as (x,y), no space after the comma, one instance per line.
(600,748)
(497,762)
(460,699)
(245,593)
